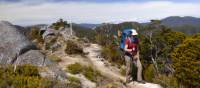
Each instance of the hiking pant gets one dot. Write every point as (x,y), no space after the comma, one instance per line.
(129,63)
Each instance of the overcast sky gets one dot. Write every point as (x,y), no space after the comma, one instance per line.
(27,12)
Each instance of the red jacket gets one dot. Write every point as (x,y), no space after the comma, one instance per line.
(132,45)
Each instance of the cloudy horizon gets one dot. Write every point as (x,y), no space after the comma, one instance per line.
(25,12)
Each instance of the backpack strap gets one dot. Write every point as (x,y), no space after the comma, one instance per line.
(129,40)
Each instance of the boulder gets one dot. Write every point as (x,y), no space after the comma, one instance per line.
(67,33)
(12,43)
(49,31)
(15,48)
(33,57)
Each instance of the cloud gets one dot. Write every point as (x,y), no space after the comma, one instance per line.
(88,1)
(83,12)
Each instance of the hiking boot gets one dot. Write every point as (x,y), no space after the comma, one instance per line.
(143,82)
(129,80)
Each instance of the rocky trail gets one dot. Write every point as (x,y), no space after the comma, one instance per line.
(104,67)
(94,58)
(110,71)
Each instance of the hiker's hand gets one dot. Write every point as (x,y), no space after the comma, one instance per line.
(135,57)
(133,49)
(129,50)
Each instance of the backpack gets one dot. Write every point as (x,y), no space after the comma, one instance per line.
(124,35)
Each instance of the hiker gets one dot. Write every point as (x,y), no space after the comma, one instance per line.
(131,54)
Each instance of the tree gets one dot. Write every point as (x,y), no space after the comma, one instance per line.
(186,62)
(60,23)
(157,43)
(100,39)
(151,31)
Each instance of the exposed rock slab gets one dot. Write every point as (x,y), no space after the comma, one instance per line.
(33,57)
(12,43)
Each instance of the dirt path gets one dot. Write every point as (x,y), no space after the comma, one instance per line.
(109,71)
(71,59)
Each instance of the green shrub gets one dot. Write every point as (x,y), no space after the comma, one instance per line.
(186,62)
(91,74)
(25,76)
(75,68)
(87,71)
(123,71)
(73,48)
(149,73)
(60,23)
(113,55)
(35,34)
(27,70)
(55,58)
(22,82)
(74,83)
(167,81)
(111,86)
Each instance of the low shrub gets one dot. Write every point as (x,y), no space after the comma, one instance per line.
(27,70)
(167,81)
(35,34)
(91,74)
(111,86)
(55,58)
(87,71)
(75,68)
(149,73)
(74,83)
(25,76)
(113,55)
(73,48)
(123,71)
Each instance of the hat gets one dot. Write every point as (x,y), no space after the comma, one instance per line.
(134,32)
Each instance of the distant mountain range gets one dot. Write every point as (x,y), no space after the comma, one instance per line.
(175,21)
(88,25)
(171,21)
(187,24)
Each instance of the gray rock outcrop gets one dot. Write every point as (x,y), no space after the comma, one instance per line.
(33,57)
(66,33)
(15,48)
